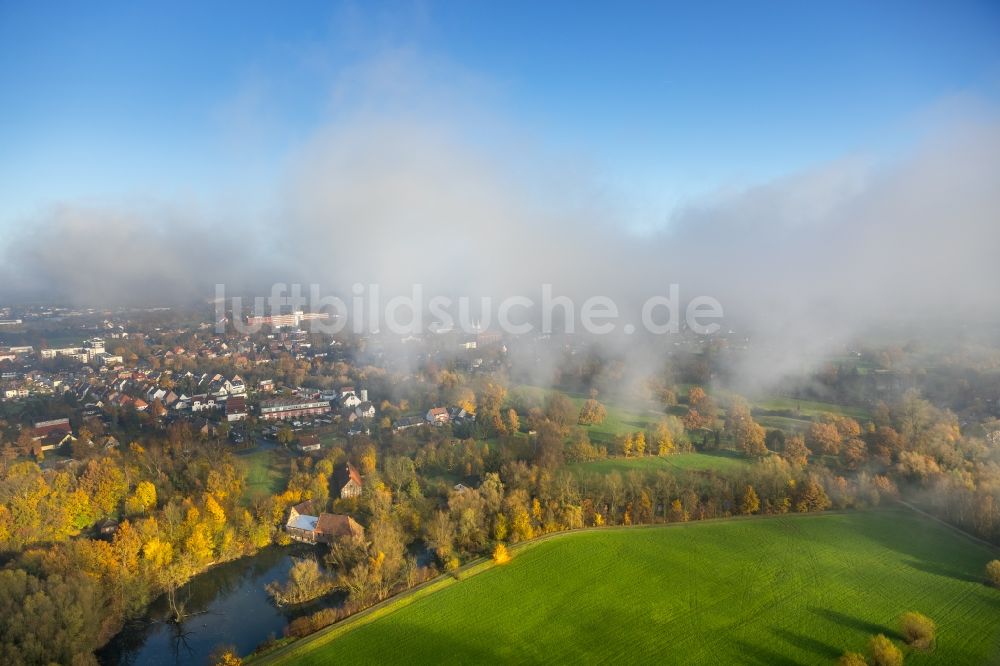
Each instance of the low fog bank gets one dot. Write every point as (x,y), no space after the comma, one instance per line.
(800,264)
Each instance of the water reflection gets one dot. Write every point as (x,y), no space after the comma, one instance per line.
(226,606)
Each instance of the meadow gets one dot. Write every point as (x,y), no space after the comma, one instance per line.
(267,472)
(810,408)
(789,414)
(797,589)
(621,419)
(715,461)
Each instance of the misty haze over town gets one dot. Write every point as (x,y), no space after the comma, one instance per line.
(369,317)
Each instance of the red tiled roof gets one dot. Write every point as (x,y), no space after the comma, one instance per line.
(338,525)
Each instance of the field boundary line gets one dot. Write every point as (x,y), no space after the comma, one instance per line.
(954,528)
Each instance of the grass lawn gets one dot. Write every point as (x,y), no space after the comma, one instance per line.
(267,472)
(809,408)
(330,440)
(786,423)
(797,589)
(718,461)
(620,419)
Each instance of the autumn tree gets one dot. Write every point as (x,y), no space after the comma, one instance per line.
(56,619)
(560,410)
(489,400)
(628,445)
(918,630)
(751,440)
(440,536)
(852,659)
(306,581)
(667,396)
(227,657)
(750,503)
(367,458)
(592,413)
(694,420)
(699,400)
(549,445)
(639,443)
(885,443)
(643,510)
(854,453)
(993,572)
(795,451)
(812,497)
(580,447)
(512,422)
(737,415)
(883,652)
(142,499)
(662,439)
(824,438)
(105,484)
(399,472)
(500,554)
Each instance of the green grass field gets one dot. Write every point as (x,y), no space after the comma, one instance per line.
(267,473)
(620,419)
(786,423)
(797,589)
(809,408)
(716,461)
(623,419)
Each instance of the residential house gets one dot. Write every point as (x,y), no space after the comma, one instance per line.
(202,402)
(458,414)
(438,416)
(236,408)
(348,398)
(52,441)
(348,481)
(61,426)
(407,422)
(288,408)
(236,386)
(308,443)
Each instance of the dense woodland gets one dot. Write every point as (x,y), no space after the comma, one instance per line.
(179,496)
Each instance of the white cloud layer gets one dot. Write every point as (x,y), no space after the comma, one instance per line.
(416,184)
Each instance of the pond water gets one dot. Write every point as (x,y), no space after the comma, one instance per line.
(226,605)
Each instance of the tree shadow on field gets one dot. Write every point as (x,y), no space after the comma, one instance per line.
(941,570)
(924,544)
(754,654)
(808,644)
(855,623)
(422,644)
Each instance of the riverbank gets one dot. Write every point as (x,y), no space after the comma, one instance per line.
(226,605)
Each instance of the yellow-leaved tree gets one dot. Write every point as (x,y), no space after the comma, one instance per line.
(663,440)
(500,554)
(142,499)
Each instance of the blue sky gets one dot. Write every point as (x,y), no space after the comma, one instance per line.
(123,101)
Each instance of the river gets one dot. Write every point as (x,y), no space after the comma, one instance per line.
(226,605)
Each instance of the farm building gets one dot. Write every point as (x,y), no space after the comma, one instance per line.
(348,481)
(302,525)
